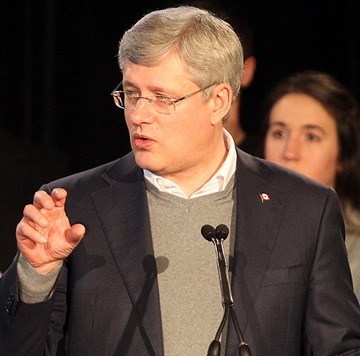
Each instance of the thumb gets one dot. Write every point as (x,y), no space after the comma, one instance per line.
(75,234)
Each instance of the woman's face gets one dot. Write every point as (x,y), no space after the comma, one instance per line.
(302,136)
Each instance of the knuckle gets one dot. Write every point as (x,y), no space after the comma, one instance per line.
(39,194)
(27,209)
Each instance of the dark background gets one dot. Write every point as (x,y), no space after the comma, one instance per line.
(58,65)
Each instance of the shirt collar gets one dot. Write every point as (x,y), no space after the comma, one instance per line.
(217,183)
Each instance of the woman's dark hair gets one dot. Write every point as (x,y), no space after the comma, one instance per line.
(338,101)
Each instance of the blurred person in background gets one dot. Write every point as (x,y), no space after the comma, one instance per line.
(312,126)
(239,19)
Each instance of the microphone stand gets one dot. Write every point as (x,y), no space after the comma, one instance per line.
(217,237)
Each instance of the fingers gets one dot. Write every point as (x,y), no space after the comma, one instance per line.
(32,225)
(26,231)
(33,214)
(38,216)
(43,200)
(59,196)
(44,234)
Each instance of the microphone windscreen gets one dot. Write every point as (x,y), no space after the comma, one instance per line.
(208,232)
(222,232)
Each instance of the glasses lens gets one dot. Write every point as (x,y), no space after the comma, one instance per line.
(163,105)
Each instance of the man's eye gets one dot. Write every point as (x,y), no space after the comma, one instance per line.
(131,94)
(163,99)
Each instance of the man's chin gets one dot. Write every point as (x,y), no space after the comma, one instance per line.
(144,161)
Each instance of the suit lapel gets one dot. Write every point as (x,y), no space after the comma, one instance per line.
(259,212)
(123,212)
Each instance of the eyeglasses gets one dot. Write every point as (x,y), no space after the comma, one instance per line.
(161,103)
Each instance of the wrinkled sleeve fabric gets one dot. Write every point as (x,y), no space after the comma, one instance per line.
(30,329)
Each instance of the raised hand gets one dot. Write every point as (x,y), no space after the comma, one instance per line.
(44,234)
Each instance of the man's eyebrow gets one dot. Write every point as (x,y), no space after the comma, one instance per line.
(152,88)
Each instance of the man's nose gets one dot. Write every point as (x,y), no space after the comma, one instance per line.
(142,112)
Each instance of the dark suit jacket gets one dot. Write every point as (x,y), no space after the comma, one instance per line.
(291,281)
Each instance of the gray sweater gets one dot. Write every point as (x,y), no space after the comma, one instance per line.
(190,295)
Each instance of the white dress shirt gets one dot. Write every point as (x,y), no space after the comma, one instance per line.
(216,184)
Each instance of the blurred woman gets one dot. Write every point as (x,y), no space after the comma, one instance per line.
(312,125)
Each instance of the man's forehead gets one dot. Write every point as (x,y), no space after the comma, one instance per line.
(166,73)
(172,61)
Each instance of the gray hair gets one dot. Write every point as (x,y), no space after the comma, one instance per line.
(208,46)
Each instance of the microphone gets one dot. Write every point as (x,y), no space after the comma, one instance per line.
(217,236)
(222,232)
(208,232)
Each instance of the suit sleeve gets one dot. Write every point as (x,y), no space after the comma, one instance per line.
(332,320)
(30,329)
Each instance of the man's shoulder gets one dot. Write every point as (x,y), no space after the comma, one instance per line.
(121,169)
(278,177)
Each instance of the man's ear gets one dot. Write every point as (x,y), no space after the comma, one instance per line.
(249,71)
(222,100)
